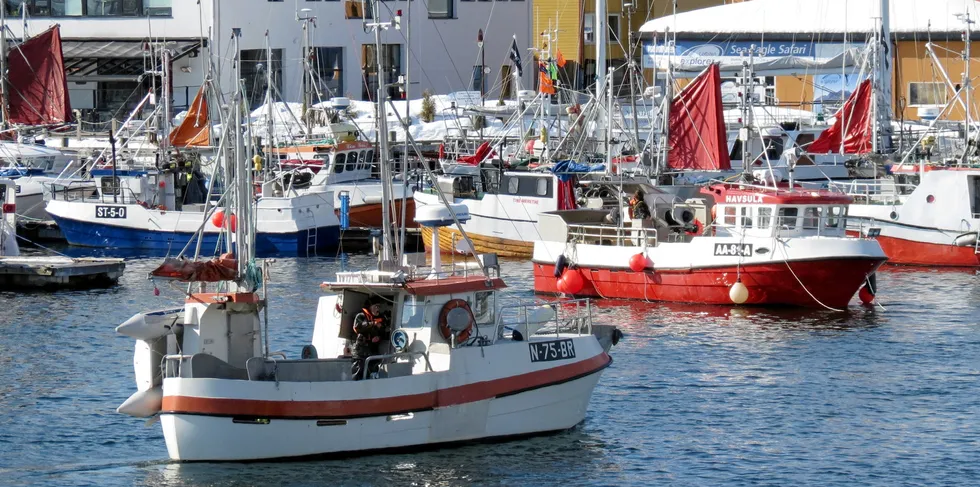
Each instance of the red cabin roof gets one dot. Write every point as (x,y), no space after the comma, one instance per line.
(749,195)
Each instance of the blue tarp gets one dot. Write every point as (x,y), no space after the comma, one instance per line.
(567,169)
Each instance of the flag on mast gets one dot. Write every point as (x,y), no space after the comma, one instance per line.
(515,56)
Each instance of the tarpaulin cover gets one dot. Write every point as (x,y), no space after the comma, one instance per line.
(697,135)
(566,170)
(195,129)
(37,87)
(223,268)
(853,121)
(482,152)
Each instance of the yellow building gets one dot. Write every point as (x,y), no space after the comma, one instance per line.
(571,25)
(823,29)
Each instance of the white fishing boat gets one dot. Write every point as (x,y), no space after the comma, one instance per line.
(456,366)
(167,206)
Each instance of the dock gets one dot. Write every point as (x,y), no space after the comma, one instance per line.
(40,272)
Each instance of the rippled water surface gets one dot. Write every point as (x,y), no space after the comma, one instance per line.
(696,396)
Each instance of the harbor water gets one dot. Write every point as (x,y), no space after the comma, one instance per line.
(696,396)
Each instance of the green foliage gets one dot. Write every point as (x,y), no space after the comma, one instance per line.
(428,113)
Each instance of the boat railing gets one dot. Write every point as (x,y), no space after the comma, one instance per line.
(612,235)
(874,192)
(545,318)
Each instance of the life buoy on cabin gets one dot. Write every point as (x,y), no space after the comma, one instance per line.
(461,331)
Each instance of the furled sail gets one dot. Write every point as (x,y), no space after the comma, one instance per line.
(195,129)
(853,124)
(36,84)
(696,132)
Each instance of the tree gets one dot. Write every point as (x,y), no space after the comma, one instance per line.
(428,113)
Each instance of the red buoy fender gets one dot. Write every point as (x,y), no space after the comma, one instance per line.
(444,325)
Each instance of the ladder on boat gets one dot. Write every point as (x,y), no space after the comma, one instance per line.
(311,242)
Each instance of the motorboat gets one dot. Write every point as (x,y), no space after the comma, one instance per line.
(738,244)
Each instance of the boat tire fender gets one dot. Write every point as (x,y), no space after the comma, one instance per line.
(462,333)
(560,264)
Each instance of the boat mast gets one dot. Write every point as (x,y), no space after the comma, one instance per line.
(602,36)
(883,101)
(748,91)
(386,259)
(408,124)
(270,122)
(3,64)
(966,82)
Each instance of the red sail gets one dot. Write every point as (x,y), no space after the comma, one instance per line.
(696,131)
(37,87)
(195,129)
(854,121)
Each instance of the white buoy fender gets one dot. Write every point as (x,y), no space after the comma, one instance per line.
(143,404)
(147,326)
(966,240)
(738,293)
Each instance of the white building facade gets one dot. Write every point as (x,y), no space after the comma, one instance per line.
(105,55)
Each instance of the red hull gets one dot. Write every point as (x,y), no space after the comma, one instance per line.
(832,282)
(369,216)
(908,252)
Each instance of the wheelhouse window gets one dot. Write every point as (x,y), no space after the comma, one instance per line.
(542,187)
(730,215)
(339,161)
(483,307)
(513,184)
(765,217)
(746,217)
(835,216)
(787,218)
(811,217)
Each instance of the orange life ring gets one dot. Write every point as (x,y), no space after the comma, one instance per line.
(444,325)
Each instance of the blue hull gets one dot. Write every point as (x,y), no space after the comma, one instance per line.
(299,243)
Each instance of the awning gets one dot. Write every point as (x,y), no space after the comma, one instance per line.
(117,57)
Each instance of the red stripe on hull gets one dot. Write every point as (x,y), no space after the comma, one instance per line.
(832,282)
(388,405)
(908,252)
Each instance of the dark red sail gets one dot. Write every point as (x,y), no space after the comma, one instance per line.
(696,131)
(37,89)
(853,121)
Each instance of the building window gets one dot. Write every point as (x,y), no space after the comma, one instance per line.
(90,8)
(588,28)
(255,74)
(441,9)
(613,27)
(926,94)
(391,65)
(328,64)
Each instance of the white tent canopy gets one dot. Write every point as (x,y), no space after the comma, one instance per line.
(796,17)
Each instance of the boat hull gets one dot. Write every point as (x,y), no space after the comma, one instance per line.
(901,251)
(506,391)
(370,215)
(805,271)
(450,238)
(91,234)
(210,438)
(831,282)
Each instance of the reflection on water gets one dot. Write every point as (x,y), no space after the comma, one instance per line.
(698,395)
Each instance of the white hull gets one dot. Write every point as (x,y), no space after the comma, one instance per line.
(558,407)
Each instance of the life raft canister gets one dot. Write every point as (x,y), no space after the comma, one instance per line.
(447,333)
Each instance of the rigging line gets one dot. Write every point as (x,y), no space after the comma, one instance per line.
(791,271)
